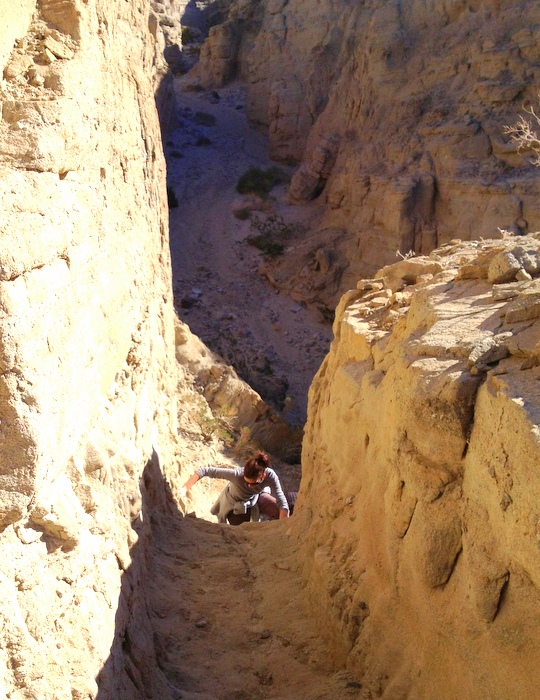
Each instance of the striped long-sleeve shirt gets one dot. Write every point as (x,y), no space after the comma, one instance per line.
(238,488)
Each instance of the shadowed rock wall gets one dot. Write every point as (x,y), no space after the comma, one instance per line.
(422,526)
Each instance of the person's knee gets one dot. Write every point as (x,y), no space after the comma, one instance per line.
(268,506)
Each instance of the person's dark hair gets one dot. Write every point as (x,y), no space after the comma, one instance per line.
(256,466)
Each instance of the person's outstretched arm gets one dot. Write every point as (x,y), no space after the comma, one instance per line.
(189,483)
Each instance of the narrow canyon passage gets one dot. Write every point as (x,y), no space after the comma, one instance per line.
(229,616)
(275,343)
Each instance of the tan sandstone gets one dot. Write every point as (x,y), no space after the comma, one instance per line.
(88,373)
(421,528)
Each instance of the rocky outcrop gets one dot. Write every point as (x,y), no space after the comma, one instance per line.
(232,401)
(395,115)
(421,526)
(88,374)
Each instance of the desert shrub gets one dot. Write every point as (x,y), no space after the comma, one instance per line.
(269,248)
(188,35)
(214,426)
(328,314)
(276,228)
(273,232)
(524,134)
(242,214)
(260,182)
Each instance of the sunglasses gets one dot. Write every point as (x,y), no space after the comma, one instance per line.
(257,481)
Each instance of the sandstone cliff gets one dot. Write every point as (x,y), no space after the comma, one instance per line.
(422,526)
(88,373)
(395,114)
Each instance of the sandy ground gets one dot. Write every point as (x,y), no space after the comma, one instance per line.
(219,291)
(229,617)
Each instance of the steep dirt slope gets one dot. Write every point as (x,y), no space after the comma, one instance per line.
(230,617)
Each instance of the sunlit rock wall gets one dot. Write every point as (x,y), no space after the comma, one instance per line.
(87,376)
(395,113)
(419,507)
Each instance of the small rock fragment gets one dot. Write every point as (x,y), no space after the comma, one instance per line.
(523,308)
(18,65)
(48,56)
(57,48)
(506,500)
(523,276)
(490,350)
(506,291)
(503,268)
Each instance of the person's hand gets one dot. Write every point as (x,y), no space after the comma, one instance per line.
(182,492)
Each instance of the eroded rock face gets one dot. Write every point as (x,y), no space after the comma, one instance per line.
(88,373)
(233,400)
(422,526)
(395,115)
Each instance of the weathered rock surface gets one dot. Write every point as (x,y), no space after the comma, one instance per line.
(419,501)
(395,115)
(88,373)
(232,400)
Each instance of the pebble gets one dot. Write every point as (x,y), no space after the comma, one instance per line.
(266,634)
(201,624)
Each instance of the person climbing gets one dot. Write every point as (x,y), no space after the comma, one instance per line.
(246,496)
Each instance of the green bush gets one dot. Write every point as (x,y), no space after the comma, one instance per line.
(273,233)
(267,247)
(242,214)
(188,35)
(260,182)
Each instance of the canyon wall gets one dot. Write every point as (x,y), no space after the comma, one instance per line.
(395,114)
(421,529)
(88,373)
